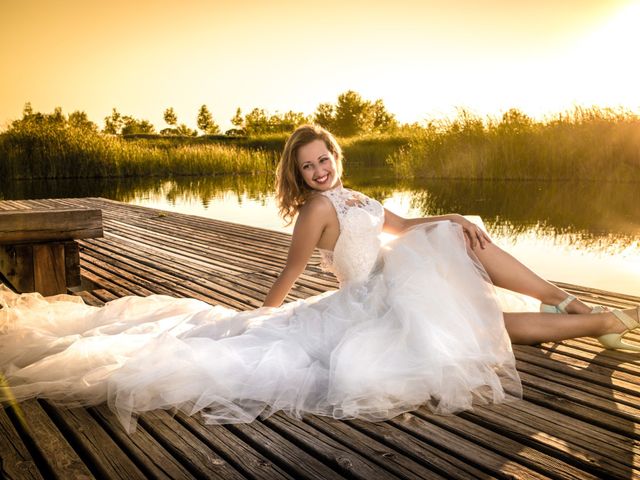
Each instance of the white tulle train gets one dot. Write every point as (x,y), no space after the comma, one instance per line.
(426,327)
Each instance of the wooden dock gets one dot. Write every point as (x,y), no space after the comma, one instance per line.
(578,420)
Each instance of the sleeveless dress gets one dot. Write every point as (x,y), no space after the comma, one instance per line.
(414,322)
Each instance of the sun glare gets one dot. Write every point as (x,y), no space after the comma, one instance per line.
(602,68)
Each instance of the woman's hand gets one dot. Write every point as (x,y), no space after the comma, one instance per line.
(474,234)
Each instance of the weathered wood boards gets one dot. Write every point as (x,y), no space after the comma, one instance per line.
(37,248)
(580,417)
(44,225)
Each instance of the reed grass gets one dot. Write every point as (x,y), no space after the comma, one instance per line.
(47,151)
(585,143)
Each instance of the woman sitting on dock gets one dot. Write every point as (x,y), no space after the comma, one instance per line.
(415,321)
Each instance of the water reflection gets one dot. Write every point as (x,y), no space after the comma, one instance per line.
(580,232)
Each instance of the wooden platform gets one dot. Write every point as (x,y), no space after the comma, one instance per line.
(579,418)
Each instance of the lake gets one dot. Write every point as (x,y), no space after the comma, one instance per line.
(585,233)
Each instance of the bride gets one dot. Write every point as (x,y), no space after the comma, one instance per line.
(416,321)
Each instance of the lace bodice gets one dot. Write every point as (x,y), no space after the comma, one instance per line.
(361,219)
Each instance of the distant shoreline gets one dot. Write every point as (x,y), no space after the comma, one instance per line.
(589,144)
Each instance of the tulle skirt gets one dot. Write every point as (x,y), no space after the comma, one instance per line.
(425,328)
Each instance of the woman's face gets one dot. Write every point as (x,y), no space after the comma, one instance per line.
(317,165)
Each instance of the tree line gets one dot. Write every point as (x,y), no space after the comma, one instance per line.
(351,115)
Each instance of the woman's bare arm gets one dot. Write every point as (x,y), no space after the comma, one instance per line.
(312,220)
(395,224)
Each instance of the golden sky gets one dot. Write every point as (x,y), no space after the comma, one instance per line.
(422,57)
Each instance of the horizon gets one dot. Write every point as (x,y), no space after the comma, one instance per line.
(422,59)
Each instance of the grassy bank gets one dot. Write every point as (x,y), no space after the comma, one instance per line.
(590,144)
(51,152)
(587,144)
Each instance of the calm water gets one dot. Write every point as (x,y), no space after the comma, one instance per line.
(581,233)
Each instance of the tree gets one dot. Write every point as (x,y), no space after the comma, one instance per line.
(113,123)
(184,130)
(325,116)
(79,119)
(58,117)
(515,121)
(27,110)
(237,120)
(256,121)
(382,121)
(206,123)
(352,114)
(135,126)
(170,117)
(288,121)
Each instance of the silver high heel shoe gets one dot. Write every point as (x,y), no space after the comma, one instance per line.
(561,307)
(613,341)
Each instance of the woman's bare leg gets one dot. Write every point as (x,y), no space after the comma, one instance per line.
(507,272)
(530,328)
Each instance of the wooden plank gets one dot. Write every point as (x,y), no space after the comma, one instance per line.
(547,452)
(238,453)
(214,261)
(596,360)
(391,459)
(103,281)
(612,406)
(597,293)
(49,269)
(141,447)
(16,462)
(196,456)
(282,452)
(53,448)
(513,444)
(103,295)
(49,225)
(187,279)
(627,402)
(611,423)
(594,353)
(480,456)
(158,281)
(571,430)
(584,370)
(335,454)
(90,298)
(420,451)
(98,450)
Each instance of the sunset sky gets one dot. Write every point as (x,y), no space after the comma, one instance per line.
(423,58)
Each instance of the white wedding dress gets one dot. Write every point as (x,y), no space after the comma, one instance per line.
(414,322)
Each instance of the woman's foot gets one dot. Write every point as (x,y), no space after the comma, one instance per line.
(568,304)
(619,323)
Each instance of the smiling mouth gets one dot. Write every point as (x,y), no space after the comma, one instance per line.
(321,179)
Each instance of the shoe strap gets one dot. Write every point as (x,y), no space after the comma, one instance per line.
(563,304)
(629,322)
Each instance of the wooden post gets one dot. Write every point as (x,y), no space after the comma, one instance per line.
(16,264)
(48,269)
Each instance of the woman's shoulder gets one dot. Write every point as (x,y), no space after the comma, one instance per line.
(316,204)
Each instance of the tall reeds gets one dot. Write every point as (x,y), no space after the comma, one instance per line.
(58,151)
(585,143)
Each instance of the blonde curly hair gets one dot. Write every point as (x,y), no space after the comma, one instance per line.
(291,190)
